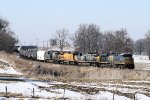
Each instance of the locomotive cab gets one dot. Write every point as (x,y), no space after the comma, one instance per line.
(124,60)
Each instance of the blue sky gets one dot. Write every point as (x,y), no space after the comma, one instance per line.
(39,19)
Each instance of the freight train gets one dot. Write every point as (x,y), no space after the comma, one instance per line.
(111,60)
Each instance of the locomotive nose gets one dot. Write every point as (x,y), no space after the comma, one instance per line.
(129,61)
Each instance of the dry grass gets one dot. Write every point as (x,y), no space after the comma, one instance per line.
(51,71)
(70,73)
(18,95)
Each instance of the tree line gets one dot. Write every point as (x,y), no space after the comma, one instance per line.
(87,38)
(143,45)
(7,37)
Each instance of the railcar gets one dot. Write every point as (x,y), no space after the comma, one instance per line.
(103,60)
(121,61)
(124,61)
(66,57)
(85,58)
(116,60)
(28,51)
(76,58)
(47,55)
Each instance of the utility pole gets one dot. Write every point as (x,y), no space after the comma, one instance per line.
(43,44)
(149,54)
(37,41)
(47,44)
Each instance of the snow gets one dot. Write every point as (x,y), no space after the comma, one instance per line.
(141,97)
(109,96)
(9,70)
(141,81)
(42,84)
(26,88)
(6,68)
(141,59)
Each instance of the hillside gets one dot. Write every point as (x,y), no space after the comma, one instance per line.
(73,82)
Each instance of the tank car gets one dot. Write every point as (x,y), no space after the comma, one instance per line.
(28,51)
(46,55)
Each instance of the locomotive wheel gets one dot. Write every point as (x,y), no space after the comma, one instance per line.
(59,62)
(76,63)
(117,66)
(54,61)
(90,64)
(97,65)
(131,66)
(122,66)
(102,65)
(62,62)
(111,66)
(107,66)
(71,63)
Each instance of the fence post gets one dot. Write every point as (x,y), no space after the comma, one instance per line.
(33,93)
(113,96)
(6,91)
(64,94)
(133,96)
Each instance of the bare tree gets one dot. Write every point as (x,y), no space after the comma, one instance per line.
(108,41)
(94,37)
(123,43)
(61,37)
(147,43)
(4,25)
(88,38)
(7,37)
(117,41)
(139,46)
(53,42)
(80,38)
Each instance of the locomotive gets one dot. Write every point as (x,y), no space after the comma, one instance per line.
(121,61)
(111,60)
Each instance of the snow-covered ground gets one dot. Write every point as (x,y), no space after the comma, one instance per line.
(26,88)
(141,59)
(51,90)
(6,68)
(141,62)
(9,70)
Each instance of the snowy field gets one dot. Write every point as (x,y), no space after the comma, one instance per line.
(141,62)
(141,59)
(26,88)
(51,90)
(105,90)
(9,70)
(6,68)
